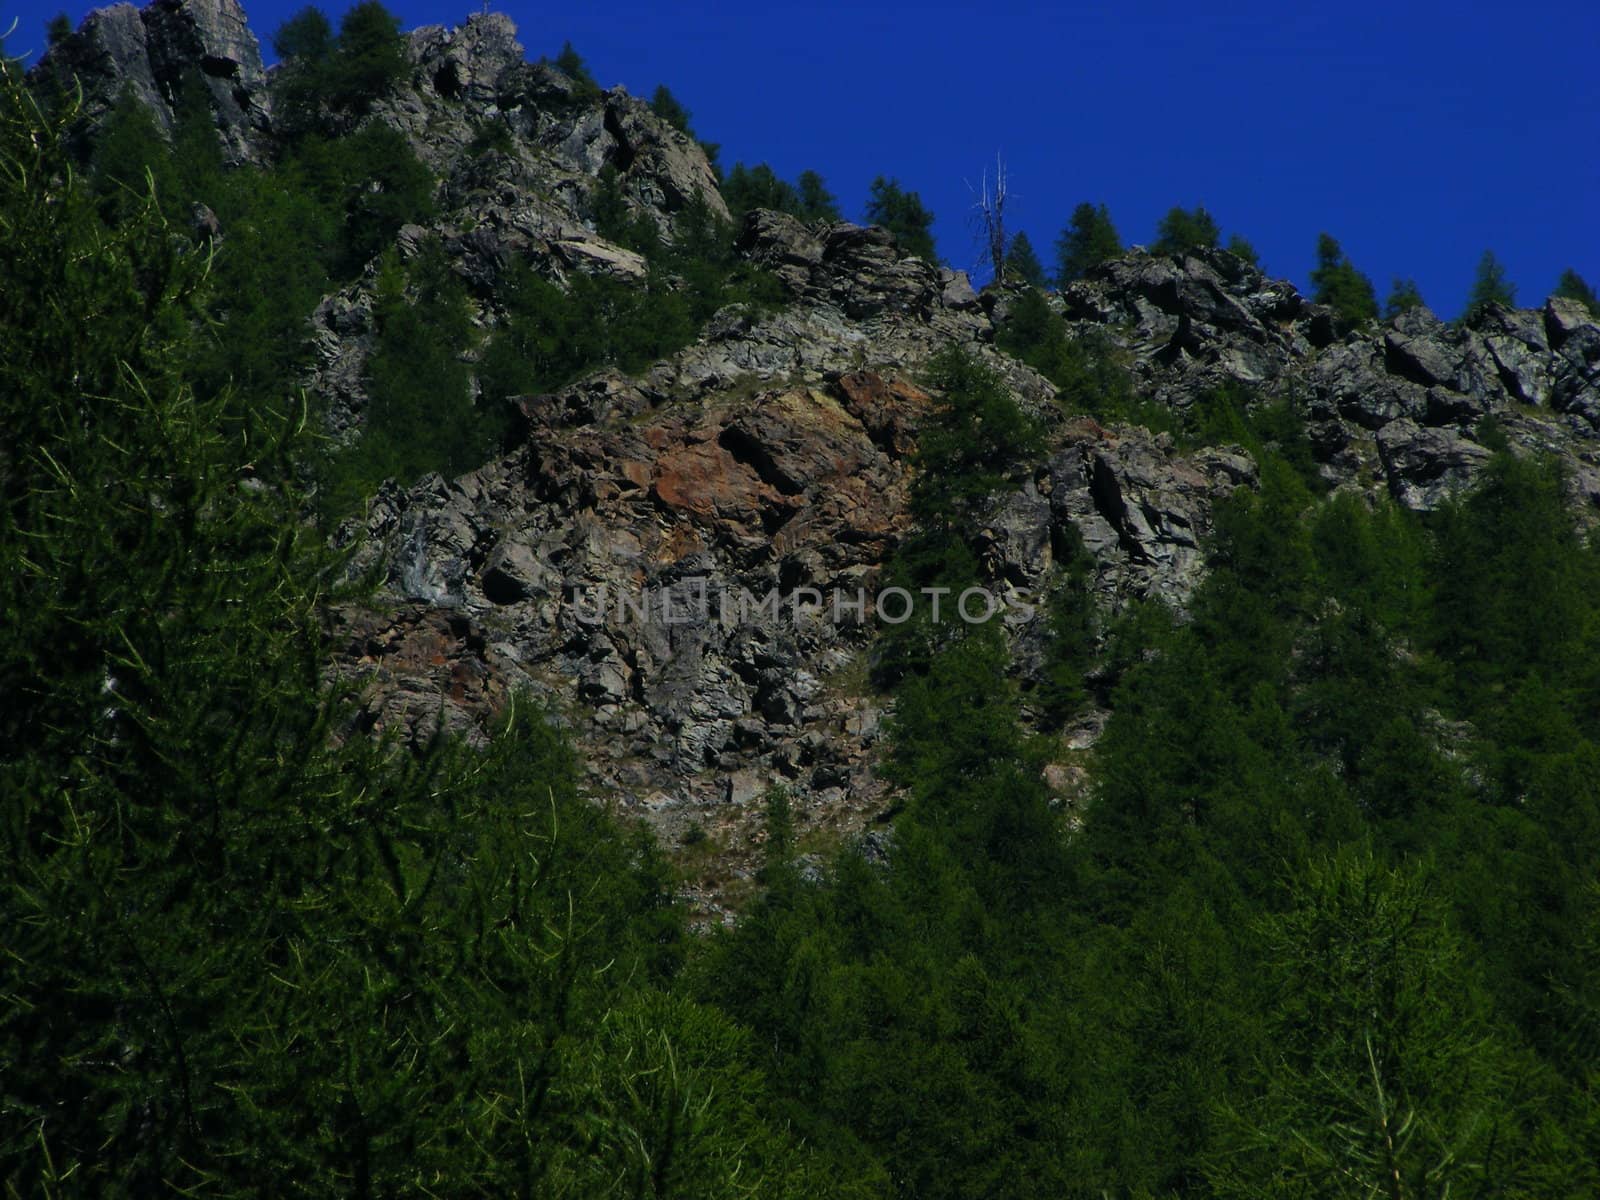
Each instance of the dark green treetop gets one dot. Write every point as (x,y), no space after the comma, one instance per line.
(977,437)
(747,188)
(1574,287)
(1184,230)
(1489,286)
(1089,239)
(1404,295)
(1239,246)
(1022,264)
(817,203)
(570,63)
(328,82)
(1340,286)
(902,213)
(371,58)
(307,36)
(668,107)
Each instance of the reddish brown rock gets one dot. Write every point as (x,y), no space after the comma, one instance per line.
(888,410)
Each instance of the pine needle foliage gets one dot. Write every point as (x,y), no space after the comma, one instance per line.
(250,948)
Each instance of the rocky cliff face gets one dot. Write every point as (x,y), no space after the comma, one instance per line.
(1397,407)
(771,457)
(675,557)
(150,52)
(660,554)
(530,199)
(531,193)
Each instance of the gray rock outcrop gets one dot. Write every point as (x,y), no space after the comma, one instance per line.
(155,52)
(1405,404)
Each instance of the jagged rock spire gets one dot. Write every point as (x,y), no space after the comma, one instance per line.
(149,52)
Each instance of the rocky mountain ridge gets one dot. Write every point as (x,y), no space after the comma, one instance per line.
(774,455)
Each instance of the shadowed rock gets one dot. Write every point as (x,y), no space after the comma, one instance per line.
(156,52)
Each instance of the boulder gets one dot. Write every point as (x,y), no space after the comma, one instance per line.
(663,170)
(595,256)
(1426,467)
(469,63)
(1574,335)
(782,244)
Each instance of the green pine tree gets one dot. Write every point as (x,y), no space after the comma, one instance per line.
(307,37)
(1404,295)
(1239,246)
(902,214)
(1384,1070)
(371,57)
(1574,287)
(817,203)
(570,63)
(1340,286)
(248,947)
(667,106)
(1489,286)
(1184,231)
(1088,240)
(968,451)
(747,188)
(1022,264)
(161,703)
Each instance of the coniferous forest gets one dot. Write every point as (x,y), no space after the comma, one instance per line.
(1323,922)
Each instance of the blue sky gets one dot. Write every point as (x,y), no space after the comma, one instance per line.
(1418,134)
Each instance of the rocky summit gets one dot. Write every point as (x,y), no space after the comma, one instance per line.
(772,456)
(146,52)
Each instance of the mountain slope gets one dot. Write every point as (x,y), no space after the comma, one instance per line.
(773,454)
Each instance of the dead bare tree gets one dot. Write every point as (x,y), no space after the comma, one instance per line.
(990,217)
